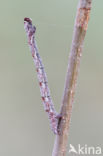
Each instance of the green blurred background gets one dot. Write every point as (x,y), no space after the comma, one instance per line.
(24,127)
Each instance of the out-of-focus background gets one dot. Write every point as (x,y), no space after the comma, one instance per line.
(24,126)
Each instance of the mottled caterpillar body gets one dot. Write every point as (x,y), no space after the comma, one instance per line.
(42,78)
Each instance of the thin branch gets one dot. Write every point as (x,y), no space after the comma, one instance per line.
(80,28)
(42,78)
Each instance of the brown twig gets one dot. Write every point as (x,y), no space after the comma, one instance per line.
(80,28)
(44,89)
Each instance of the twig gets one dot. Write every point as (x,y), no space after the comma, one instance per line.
(80,28)
(44,89)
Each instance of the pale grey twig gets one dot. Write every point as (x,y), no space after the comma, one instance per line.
(80,29)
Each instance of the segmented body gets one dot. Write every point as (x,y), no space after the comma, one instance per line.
(42,78)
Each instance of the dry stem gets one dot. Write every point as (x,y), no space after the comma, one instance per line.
(80,28)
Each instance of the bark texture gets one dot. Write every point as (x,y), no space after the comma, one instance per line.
(80,28)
